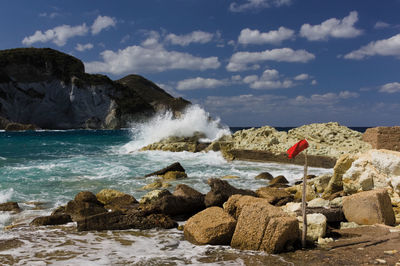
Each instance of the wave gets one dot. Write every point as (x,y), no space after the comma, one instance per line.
(164,125)
(5,195)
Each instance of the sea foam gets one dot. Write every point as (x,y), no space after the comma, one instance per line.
(5,195)
(163,125)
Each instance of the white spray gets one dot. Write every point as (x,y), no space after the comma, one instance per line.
(194,119)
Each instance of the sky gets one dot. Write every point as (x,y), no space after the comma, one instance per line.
(249,62)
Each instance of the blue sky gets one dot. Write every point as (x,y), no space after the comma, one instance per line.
(250,62)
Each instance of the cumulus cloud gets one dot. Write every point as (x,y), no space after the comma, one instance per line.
(302,77)
(144,59)
(386,47)
(257,4)
(270,79)
(390,87)
(58,35)
(83,47)
(248,36)
(200,83)
(193,37)
(102,23)
(246,60)
(333,27)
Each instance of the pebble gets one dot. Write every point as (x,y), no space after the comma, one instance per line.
(380,261)
(390,252)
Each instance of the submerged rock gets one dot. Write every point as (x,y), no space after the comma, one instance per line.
(10,207)
(175,167)
(56,219)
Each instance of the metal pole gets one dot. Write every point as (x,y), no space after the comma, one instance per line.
(304,202)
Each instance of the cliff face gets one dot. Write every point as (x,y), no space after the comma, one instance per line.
(50,89)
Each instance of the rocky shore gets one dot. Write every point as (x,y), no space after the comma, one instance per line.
(327,142)
(345,216)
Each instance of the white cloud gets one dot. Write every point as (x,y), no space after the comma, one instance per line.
(390,87)
(381,25)
(83,47)
(333,27)
(257,4)
(200,83)
(270,79)
(314,82)
(134,59)
(58,35)
(387,47)
(49,15)
(248,36)
(102,23)
(302,77)
(241,60)
(329,98)
(193,37)
(125,38)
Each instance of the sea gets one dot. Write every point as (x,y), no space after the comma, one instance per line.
(42,170)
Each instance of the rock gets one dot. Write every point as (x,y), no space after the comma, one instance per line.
(177,205)
(280,179)
(158,183)
(187,192)
(122,203)
(174,175)
(117,220)
(310,193)
(220,191)
(175,167)
(316,226)
(337,202)
(261,226)
(85,204)
(275,196)
(372,170)
(387,138)
(318,202)
(50,89)
(334,215)
(179,144)
(153,196)
(264,175)
(336,182)
(20,127)
(345,225)
(51,220)
(10,207)
(320,182)
(237,202)
(291,208)
(369,207)
(211,226)
(106,196)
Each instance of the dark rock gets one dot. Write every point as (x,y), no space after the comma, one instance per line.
(175,167)
(264,175)
(123,203)
(280,179)
(178,206)
(59,210)
(275,196)
(52,220)
(117,220)
(221,190)
(332,214)
(20,127)
(85,204)
(10,207)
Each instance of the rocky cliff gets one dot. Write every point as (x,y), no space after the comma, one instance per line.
(51,90)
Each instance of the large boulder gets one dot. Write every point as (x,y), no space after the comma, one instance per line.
(261,226)
(336,182)
(373,169)
(211,226)
(191,195)
(84,204)
(154,195)
(116,220)
(369,207)
(383,138)
(221,190)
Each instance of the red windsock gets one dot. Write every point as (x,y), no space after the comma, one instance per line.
(297,148)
